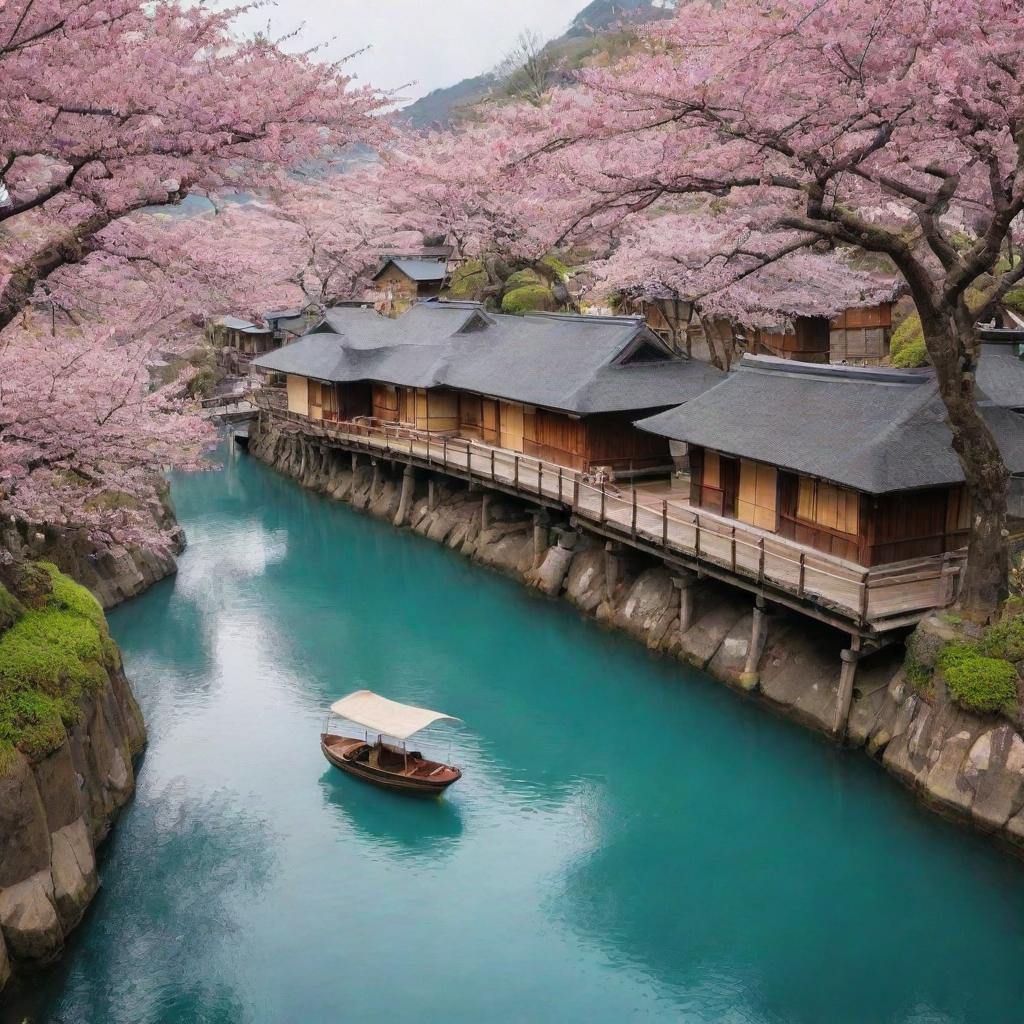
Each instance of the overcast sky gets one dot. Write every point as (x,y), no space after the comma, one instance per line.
(429,43)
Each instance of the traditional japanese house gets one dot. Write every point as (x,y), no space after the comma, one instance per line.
(561,388)
(243,336)
(404,280)
(852,461)
(289,324)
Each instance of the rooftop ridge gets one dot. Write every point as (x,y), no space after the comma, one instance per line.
(835,371)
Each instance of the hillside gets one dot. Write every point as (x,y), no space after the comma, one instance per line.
(593,30)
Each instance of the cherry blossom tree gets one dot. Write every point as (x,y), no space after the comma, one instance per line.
(151,102)
(107,107)
(897,129)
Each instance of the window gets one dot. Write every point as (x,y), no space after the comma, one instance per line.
(826,505)
(757,502)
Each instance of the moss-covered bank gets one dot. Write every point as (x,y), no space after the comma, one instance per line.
(69,731)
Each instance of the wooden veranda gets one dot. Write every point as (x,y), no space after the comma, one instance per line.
(657,519)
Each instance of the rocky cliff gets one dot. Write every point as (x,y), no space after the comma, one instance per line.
(69,731)
(966,765)
(113,572)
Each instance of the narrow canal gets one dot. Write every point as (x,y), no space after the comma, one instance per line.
(631,842)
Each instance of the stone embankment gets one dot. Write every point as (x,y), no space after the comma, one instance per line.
(70,730)
(967,766)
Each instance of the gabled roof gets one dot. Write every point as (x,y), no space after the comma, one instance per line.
(280,314)
(576,364)
(416,269)
(875,430)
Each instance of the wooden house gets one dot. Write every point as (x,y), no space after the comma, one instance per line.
(562,388)
(405,280)
(855,462)
(243,336)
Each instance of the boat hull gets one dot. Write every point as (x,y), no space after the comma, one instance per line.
(337,753)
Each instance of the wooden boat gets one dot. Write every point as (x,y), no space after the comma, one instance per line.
(386,764)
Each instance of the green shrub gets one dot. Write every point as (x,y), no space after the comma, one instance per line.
(528,298)
(976,682)
(907,348)
(1004,640)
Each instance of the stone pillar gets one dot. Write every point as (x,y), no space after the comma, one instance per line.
(844,698)
(750,676)
(485,512)
(686,583)
(541,535)
(613,567)
(431,494)
(375,480)
(405,499)
(355,462)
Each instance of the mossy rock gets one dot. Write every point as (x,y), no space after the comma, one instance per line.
(51,656)
(29,582)
(523,278)
(977,682)
(907,348)
(468,280)
(529,298)
(11,609)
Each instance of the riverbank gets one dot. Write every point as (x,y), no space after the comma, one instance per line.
(70,730)
(965,766)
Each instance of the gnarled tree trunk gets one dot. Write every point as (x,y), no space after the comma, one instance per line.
(953,348)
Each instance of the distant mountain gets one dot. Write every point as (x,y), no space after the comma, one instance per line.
(598,18)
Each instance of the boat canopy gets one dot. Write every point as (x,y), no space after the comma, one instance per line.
(381,715)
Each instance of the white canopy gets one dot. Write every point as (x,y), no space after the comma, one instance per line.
(381,715)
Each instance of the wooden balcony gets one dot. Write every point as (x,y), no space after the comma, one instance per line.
(656,519)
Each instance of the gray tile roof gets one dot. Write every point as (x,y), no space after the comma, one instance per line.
(235,324)
(870,429)
(1001,376)
(576,364)
(418,270)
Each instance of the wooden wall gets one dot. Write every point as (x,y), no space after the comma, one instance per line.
(861,336)
(808,342)
(862,528)
(298,394)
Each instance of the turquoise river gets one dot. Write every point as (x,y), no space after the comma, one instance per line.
(631,840)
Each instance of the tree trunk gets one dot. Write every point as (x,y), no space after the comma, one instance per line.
(985,579)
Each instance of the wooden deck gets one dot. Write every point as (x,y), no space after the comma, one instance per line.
(658,518)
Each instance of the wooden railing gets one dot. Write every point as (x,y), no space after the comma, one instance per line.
(881,597)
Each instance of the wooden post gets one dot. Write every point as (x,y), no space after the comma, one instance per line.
(865,591)
(800,586)
(633,523)
(576,493)
(760,561)
(540,477)
(844,698)
(515,467)
(664,523)
(560,502)
(696,535)
(732,547)
(602,501)
(750,676)
(444,452)
(492,465)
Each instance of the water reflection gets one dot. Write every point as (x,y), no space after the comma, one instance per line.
(154,949)
(407,826)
